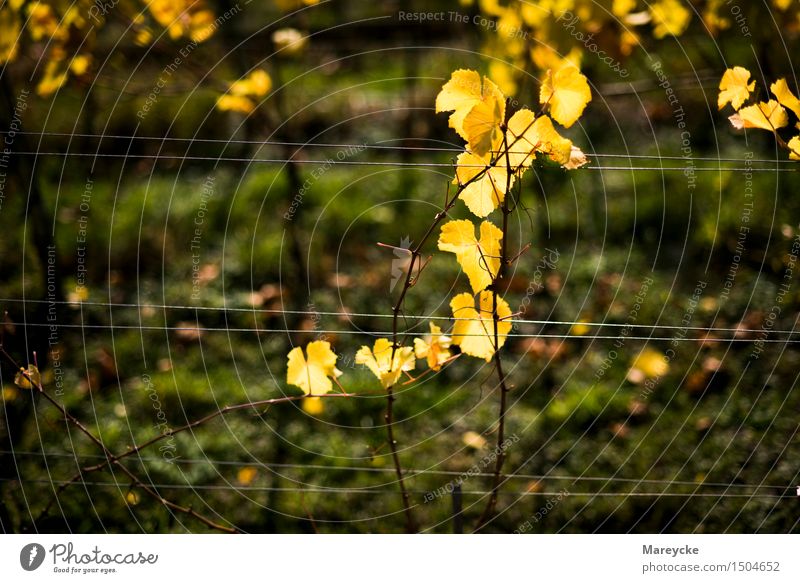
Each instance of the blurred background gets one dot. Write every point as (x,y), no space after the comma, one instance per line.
(189,189)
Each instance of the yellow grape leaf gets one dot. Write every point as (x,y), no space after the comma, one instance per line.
(313,374)
(522,139)
(28,378)
(379,360)
(768,116)
(486,193)
(734,88)
(527,135)
(480,259)
(434,347)
(461,94)
(482,126)
(567,93)
(785,96)
(670,17)
(474,328)
(551,143)
(794,147)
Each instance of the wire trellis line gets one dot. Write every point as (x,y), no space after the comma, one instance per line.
(416,472)
(325,490)
(378,163)
(378,147)
(388,334)
(349,315)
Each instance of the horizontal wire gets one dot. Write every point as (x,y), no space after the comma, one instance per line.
(389,334)
(406,317)
(381,147)
(325,490)
(382,164)
(414,472)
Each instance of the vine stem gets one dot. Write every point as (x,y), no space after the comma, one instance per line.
(500,448)
(389,419)
(410,280)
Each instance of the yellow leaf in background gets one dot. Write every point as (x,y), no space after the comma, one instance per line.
(313,374)
(9,393)
(313,405)
(670,17)
(80,64)
(184,17)
(768,116)
(256,84)
(235,103)
(785,96)
(480,259)
(246,475)
(649,363)
(11,26)
(201,25)
(289,41)
(132,498)
(794,146)
(579,328)
(474,328)
(434,347)
(733,88)
(290,5)
(545,57)
(486,193)
(621,8)
(566,92)
(42,22)
(463,92)
(379,360)
(28,378)
(505,76)
(474,440)
(782,4)
(55,75)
